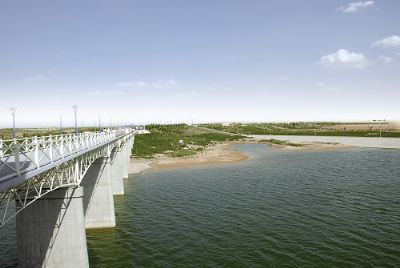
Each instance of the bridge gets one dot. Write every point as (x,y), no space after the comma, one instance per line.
(58,186)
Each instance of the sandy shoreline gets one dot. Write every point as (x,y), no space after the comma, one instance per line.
(218,154)
(214,154)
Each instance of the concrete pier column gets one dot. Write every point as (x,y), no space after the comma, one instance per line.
(51,231)
(124,161)
(133,142)
(117,181)
(130,147)
(98,201)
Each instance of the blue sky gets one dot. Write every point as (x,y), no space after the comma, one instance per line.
(183,61)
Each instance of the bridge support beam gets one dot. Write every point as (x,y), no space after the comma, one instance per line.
(98,201)
(117,181)
(51,231)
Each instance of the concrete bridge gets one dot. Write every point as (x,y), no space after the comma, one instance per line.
(58,186)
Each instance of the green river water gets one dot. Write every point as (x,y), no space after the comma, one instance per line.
(338,208)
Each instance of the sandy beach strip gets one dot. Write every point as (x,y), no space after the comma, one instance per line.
(214,154)
(221,153)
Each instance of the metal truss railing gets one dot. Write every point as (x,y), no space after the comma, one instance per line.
(55,155)
(18,156)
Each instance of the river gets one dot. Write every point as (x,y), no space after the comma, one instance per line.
(279,208)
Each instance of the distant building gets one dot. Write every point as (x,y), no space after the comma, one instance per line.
(226,124)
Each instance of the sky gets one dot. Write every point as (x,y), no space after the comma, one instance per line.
(173,61)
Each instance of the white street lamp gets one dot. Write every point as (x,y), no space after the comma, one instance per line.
(75,107)
(13,110)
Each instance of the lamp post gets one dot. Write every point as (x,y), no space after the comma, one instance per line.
(13,111)
(61,125)
(76,119)
(99,122)
(380,126)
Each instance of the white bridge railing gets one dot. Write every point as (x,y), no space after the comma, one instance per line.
(50,163)
(19,156)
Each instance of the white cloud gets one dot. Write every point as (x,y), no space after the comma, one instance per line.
(105,93)
(344,57)
(218,88)
(385,59)
(38,77)
(356,6)
(191,94)
(154,84)
(326,87)
(164,84)
(391,41)
(132,84)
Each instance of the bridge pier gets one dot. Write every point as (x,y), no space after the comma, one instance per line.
(124,160)
(131,142)
(98,201)
(117,175)
(51,231)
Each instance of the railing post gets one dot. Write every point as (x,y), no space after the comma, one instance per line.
(26,145)
(77,171)
(36,153)
(91,140)
(1,149)
(51,149)
(70,144)
(77,138)
(62,146)
(16,157)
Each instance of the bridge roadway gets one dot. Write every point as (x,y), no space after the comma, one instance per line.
(58,186)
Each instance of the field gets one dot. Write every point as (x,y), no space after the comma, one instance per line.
(373,129)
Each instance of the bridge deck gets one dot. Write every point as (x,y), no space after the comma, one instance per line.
(33,167)
(22,159)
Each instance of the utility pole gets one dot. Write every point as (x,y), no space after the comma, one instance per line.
(13,110)
(76,122)
(380,126)
(61,125)
(99,122)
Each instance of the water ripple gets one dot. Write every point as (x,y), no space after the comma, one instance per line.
(295,209)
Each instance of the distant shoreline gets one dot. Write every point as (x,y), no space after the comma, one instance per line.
(368,142)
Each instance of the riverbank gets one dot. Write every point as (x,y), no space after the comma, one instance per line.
(221,153)
(214,154)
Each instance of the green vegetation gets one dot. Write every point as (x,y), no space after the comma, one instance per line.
(165,139)
(373,129)
(7,133)
(279,142)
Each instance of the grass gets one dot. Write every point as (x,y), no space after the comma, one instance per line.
(7,133)
(164,139)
